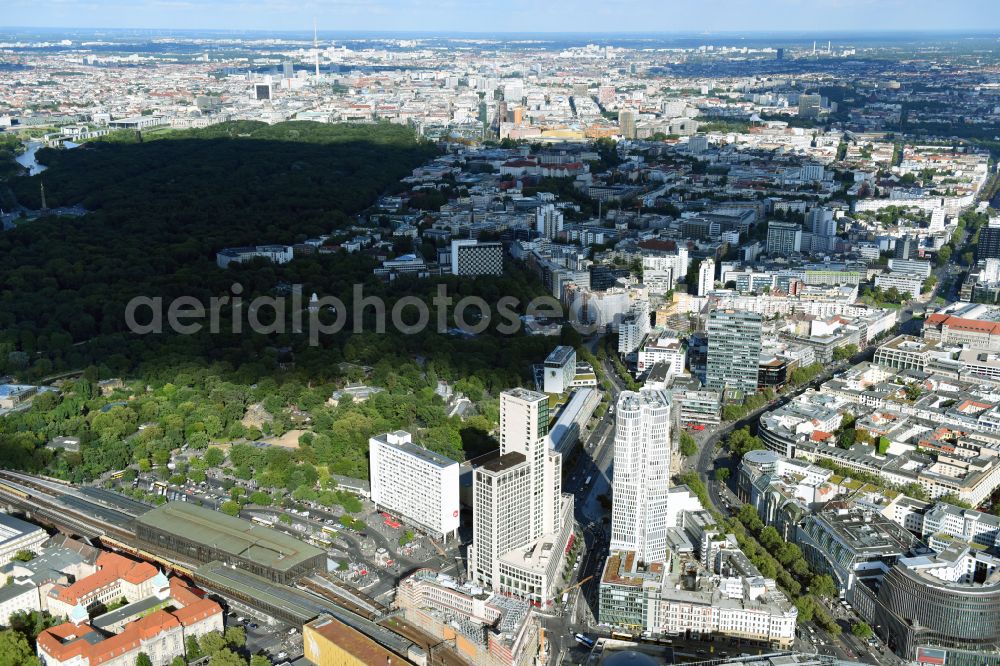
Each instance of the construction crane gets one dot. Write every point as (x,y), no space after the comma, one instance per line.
(438,548)
(577,584)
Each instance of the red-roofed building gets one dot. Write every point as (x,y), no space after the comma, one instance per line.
(160,634)
(116,577)
(959,331)
(658,245)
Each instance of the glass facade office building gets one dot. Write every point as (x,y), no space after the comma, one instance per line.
(733,350)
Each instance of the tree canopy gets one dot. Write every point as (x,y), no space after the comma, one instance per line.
(160,210)
(15,650)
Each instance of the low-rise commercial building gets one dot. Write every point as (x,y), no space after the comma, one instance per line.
(699,407)
(487,629)
(663,349)
(559,369)
(905,352)
(330,642)
(687,600)
(852,544)
(938,608)
(967,525)
(629,591)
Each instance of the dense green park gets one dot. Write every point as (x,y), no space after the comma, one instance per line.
(159,212)
(161,209)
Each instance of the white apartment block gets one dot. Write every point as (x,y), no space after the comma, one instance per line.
(937,222)
(634,328)
(729,617)
(706,277)
(641,474)
(783,238)
(414,483)
(915,267)
(18,596)
(772,305)
(560,370)
(820,221)
(966,524)
(279,254)
(666,350)
(662,272)
(548,221)
(812,172)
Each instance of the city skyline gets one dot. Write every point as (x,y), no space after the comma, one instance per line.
(521,16)
(495,335)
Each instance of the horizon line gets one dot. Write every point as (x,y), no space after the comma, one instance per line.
(984,32)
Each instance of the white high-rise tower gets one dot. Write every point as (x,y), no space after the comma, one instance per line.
(524,426)
(706,277)
(521,519)
(641,474)
(548,221)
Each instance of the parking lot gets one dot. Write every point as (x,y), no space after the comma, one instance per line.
(277,641)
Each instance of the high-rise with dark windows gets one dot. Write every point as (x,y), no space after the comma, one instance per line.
(733,350)
(989,241)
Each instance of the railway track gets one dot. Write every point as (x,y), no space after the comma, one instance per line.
(57,504)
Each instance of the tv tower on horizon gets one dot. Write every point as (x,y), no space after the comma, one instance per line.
(316,46)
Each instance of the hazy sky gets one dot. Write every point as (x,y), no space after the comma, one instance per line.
(512,15)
